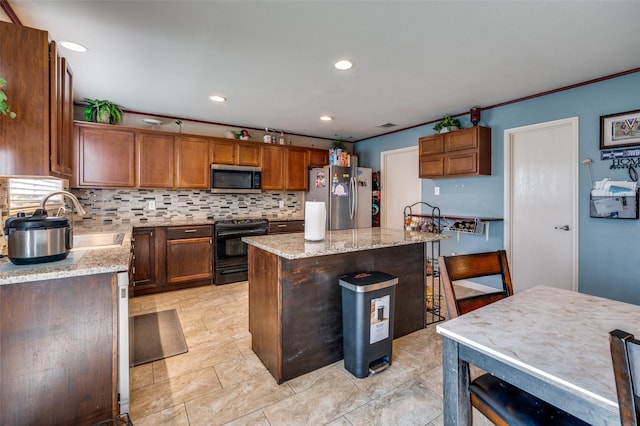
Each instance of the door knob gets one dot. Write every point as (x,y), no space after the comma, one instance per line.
(564,227)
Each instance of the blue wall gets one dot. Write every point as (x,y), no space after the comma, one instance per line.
(609,262)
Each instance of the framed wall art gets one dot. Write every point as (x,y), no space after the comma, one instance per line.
(620,130)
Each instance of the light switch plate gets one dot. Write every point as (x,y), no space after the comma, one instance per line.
(151,205)
(436,190)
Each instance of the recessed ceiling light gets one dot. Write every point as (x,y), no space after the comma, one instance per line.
(326,118)
(217,98)
(76,47)
(344,64)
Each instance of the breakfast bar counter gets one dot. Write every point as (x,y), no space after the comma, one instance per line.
(295,306)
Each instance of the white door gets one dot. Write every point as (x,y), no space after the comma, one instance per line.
(541,204)
(400,185)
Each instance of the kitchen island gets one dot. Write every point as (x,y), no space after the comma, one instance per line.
(295,305)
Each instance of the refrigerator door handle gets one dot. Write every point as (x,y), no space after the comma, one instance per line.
(353,198)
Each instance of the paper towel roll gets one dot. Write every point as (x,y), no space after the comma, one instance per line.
(315,220)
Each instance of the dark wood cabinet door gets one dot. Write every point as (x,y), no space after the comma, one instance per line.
(58,346)
(144,259)
(249,154)
(224,151)
(155,160)
(24,141)
(189,260)
(193,162)
(61,113)
(296,169)
(318,157)
(105,156)
(272,167)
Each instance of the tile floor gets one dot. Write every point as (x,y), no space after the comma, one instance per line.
(221,381)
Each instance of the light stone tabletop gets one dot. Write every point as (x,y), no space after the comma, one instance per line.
(558,336)
(294,246)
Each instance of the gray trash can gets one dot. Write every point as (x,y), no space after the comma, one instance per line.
(368,300)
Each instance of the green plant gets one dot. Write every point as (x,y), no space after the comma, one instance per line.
(447,122)
(4,108)
(102,111)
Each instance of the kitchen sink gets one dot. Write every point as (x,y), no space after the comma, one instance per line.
(102,240)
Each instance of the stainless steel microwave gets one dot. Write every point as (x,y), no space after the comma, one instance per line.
(227,179)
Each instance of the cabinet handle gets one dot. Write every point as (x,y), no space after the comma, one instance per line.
(190,230)
(282,226)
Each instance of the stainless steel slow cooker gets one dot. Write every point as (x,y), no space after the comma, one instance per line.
(37,238)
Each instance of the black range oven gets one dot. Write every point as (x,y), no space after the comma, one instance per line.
(230,259)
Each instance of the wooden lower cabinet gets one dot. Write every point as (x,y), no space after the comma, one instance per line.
(58,351)
(144,276)
(189,254)
(171,258)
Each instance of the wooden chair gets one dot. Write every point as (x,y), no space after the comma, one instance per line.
(462,267)
(499,401)
(625,354)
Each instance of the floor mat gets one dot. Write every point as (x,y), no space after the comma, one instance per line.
(156,336)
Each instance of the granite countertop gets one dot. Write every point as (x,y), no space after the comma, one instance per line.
(294,246)
(78,262)
(90,261)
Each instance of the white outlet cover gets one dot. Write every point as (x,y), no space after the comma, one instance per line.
(436,190)
(152,205)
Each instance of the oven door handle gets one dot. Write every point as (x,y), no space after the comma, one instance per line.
(241,232)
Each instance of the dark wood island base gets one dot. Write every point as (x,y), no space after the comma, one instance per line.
(295,305)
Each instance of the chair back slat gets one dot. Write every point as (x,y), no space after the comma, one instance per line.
(461,267)
(625,356)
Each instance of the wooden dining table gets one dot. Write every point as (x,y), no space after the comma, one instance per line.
(549,342)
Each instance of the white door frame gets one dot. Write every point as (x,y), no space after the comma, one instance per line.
(384,156)
(508,171)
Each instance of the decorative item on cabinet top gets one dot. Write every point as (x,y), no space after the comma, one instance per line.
(447,124)
(102,111)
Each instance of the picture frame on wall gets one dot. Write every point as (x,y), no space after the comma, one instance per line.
(620,130)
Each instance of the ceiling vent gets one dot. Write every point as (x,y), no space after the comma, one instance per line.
(387,125)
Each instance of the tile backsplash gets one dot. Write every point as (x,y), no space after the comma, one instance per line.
(132,206)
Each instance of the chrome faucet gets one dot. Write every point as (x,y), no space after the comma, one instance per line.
(81,211)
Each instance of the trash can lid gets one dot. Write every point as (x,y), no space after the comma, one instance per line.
(361,282)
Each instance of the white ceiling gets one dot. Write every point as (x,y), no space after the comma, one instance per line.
(414,60)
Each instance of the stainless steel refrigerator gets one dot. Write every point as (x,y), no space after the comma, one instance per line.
(346,192)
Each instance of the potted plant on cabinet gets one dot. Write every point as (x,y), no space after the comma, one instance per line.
(4,108)
(447,124)
(102,111)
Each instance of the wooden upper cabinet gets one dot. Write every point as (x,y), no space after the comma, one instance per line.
(24,141)
(272,167)
(155,160)
(318,157)
(61,114)
(106,156)
(459,153)
(232,152)
(223,151)
(193,165)
(249,154)
(296,169)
